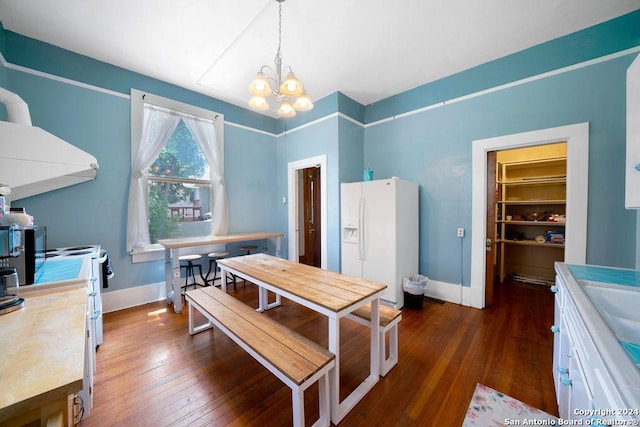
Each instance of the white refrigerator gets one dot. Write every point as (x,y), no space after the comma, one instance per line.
(379,233)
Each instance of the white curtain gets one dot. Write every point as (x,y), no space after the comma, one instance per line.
(157,128)
(205,135)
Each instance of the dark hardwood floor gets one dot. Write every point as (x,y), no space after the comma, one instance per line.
(151,372)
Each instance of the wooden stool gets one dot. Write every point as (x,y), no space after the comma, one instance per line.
(213,258)
(189,267)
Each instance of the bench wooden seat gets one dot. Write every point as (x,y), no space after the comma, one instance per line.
(294,359)
(389,319)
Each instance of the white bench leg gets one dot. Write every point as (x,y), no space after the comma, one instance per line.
(297,395)
(324,401)
(386,363)
(193,329)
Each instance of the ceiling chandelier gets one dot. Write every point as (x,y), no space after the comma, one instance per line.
(286,90)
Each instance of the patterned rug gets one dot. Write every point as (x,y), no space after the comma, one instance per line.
(492,408)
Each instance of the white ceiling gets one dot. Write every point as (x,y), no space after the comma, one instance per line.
(367,49)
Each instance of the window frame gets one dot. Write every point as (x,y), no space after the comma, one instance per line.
(138,99)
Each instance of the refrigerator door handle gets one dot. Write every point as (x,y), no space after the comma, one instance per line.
(361,208)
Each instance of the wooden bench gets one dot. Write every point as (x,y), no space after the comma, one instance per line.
(295,360)
(389,319)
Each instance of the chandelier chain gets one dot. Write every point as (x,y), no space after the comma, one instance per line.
(278,59)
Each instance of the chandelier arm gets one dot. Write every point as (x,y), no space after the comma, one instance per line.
(273,79)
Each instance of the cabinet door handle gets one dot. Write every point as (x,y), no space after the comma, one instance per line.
(555,329)
(554,289)
(565,381)
(563,371)
(637,167)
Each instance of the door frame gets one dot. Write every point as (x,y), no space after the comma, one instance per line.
(293,231)
(577,139)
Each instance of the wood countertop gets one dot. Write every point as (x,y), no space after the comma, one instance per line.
(42,350)
(185,242)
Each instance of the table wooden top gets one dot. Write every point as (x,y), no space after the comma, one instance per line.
(42,348)
(185,242)
(333,291)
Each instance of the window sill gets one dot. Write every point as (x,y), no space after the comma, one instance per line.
(152,253)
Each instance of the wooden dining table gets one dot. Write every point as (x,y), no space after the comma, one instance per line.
(172,248)
(329,293)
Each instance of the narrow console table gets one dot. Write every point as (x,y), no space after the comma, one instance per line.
(172,254)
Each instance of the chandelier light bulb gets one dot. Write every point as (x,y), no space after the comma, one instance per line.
(303,103)
(260,86)
(286,109)
(259,103)
(291,86)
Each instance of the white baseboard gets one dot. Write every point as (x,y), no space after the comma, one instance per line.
(450,292)
(131,297)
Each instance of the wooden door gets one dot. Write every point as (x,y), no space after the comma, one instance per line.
(311,217)
(491,229)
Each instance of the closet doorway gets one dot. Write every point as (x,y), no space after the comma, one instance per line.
(478,294)
(529,212)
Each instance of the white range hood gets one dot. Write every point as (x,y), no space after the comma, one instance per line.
(33,161)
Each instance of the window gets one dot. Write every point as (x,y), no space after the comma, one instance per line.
(177,187)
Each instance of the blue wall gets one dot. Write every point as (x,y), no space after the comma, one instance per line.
(434,148)
(99,123)
(431,147)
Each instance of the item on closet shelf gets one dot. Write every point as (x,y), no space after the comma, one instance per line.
(557,218)
(555,237)
(540,239)
(535,216)
(509,217)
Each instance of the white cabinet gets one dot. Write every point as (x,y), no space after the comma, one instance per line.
(632,196)
(572,392)
(585,388)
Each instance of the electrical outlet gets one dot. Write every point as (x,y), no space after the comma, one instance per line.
(460,232)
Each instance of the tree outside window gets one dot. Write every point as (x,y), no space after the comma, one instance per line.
(179,186)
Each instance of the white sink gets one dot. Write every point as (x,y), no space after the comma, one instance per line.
(619,307)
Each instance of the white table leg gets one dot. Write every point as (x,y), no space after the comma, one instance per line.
(223,278)
(168,275)
(175,280)
(334,374)
(374,372)
(340,409)
(278,247)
